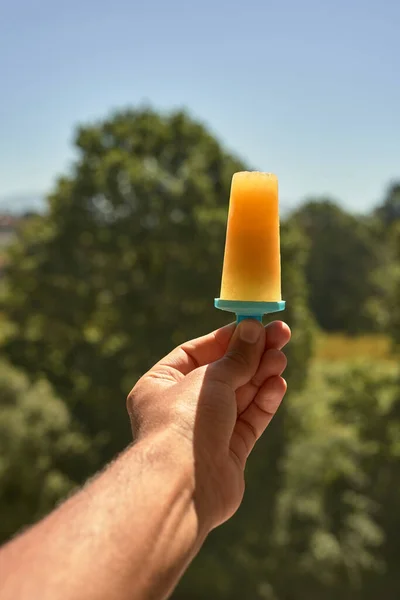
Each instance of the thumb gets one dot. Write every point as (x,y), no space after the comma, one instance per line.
(241,360)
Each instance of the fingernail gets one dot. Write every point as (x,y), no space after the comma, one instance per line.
(249,331)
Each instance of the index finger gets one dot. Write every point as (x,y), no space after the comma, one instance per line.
(211,347)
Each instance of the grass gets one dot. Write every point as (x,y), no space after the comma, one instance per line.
(342,347)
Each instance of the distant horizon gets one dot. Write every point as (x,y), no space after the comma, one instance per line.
(18,203)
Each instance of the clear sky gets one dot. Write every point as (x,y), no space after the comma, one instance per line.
(305,88)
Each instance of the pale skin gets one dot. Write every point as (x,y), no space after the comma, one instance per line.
(131,532)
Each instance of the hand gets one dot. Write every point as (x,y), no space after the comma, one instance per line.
(215,395)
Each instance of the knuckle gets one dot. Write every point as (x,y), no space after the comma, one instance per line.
(238,357)
(132,399)
(134,407)
(247,434)
(278,359)
(251,431)
(257,381)
(283,360)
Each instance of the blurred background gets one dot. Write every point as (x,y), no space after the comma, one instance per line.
(121,126)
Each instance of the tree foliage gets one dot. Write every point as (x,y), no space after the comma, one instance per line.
(342,259)
(39,450)
(393,285)
(123,266)
(126,264)
(368,400)
(389,211)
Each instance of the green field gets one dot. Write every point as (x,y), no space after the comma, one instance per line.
(342,347)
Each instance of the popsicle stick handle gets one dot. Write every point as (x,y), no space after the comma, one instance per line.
(242,317)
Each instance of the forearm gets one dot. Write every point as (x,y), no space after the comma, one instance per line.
(127,535)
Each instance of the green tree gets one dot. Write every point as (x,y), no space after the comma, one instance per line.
(367,398)
(341,259)
(330,504)
(389,211)
(125,265)
(38,450)
(395,297)
(385,299)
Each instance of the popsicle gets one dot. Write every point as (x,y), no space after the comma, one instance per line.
(251,275)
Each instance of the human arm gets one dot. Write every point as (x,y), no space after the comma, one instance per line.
(132,531)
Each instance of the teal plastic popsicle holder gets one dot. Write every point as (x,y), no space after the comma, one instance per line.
(249,310)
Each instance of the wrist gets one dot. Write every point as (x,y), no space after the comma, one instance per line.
(172,456)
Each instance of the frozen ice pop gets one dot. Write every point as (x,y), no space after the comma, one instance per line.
(251,276)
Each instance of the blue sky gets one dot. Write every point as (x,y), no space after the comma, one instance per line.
(307,89)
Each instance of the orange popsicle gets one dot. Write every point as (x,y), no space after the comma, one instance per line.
(252,270)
